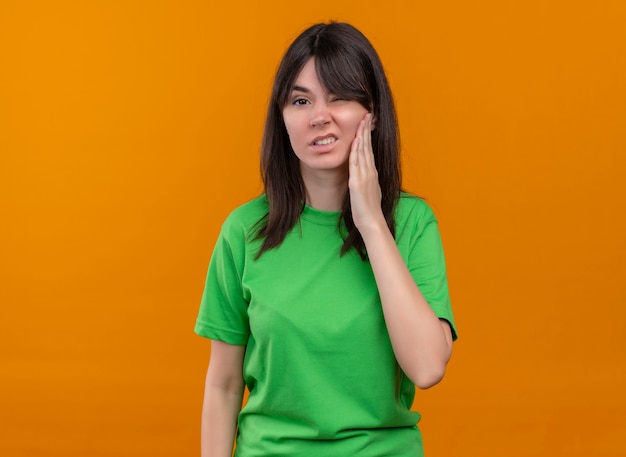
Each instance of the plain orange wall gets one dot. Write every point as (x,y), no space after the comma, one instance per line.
(129,130)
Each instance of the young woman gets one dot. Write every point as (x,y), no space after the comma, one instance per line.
(326,296)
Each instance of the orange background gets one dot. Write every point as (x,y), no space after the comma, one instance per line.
(129,130)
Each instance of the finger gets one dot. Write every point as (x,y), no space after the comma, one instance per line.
(361,140)
(368,151)
(353,159)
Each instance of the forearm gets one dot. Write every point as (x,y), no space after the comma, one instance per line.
(422,343)
(219,420)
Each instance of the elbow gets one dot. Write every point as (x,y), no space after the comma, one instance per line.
(429,378)
(429,370)
(425,376)
(429,374)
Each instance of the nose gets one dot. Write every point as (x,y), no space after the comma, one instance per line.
(320,115)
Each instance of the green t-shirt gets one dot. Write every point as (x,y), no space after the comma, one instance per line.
(319,365)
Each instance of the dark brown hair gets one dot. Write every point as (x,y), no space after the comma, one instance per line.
(347,66)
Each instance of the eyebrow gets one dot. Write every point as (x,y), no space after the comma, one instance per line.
(300,89)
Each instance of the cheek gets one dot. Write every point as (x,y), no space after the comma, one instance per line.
(287,126)
(291,125)
(352,120)
(351,115)
(294,135)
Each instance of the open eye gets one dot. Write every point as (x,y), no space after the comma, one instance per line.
(299,101)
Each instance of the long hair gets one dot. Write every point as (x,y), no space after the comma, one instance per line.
(348,66)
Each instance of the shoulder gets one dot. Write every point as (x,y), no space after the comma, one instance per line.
(243,219)
(414,211)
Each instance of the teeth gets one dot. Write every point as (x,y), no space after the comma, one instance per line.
(325,141)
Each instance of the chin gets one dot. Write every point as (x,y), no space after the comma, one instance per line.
(330,165)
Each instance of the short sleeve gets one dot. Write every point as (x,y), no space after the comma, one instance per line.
(223,311)
(427,265)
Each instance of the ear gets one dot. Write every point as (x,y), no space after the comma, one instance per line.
(373,127)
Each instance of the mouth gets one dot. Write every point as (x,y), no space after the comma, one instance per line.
(324,141)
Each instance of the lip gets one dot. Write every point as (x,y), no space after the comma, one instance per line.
(323,147)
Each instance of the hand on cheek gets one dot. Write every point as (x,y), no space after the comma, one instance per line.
(365,193)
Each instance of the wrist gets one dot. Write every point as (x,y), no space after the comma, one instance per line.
(373,229)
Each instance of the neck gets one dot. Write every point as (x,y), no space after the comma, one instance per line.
(325,189)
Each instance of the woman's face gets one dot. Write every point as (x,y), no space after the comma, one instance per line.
(321,126)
